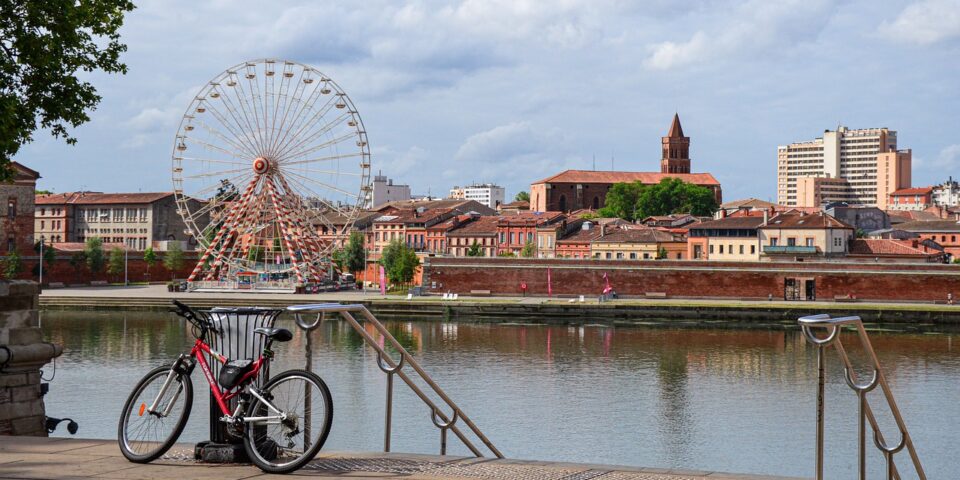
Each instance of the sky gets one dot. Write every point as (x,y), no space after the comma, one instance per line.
(513,91)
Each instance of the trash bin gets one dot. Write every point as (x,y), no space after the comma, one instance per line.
(236,340)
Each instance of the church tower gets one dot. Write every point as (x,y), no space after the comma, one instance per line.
(676,149)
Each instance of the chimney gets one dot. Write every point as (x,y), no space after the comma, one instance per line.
(723,213)
(603,230)
(766,217)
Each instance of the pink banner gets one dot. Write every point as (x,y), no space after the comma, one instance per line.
(383,281)
(549,283)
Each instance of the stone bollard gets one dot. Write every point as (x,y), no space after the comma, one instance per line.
(22,353)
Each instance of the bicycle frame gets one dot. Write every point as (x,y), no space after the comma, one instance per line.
(221,396)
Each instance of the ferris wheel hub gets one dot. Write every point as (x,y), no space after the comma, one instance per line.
(261,165)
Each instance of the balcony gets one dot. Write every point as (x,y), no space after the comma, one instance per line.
(789,250)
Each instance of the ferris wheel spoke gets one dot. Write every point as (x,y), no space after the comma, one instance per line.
(325,172)
(241,96)
(216,148)
(254,100)
(238,146)
(213,160)
(302,108)
(311,136)
(230,128)
(233,180)
(305,125)
(321,146)
(308,161)
(241,120)
(288,100)
(216,174)
(306,192)
(321,184)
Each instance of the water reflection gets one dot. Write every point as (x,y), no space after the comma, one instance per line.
(713,399)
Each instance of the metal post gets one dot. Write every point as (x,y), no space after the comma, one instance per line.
(862,415)
(41,261)
(125,280)
(820,383)
(388,412)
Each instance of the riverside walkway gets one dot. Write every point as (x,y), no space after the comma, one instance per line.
(67,458)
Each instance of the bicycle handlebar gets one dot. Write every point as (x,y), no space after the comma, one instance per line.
(193,316)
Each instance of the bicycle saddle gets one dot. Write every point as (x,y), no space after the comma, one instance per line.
(277,334)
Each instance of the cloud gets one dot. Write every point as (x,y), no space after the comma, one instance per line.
(925,22)
(753,26)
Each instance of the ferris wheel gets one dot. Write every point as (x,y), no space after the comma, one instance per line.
(270,169)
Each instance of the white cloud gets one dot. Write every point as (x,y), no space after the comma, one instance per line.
(752,26)
(925,22)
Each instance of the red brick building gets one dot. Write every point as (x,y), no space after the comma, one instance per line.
(16,225)
(482,230)
(515,231)
(587,189)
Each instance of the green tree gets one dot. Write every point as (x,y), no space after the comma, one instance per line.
(49,254)
(93,254)
(115,261)
(173,260)
(662,253)
(77,261)
(522,197)
(149,258)
(673,195)
(474,250)
(506,253)
(356,256)
(12,265)
(400,262)
(529,250)
(621,201)
(44,44)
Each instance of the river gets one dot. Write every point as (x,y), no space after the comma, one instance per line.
(726,399)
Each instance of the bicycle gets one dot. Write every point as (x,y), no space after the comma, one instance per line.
(281,426)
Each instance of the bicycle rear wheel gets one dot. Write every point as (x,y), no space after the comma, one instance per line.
(145,435)
(281,446)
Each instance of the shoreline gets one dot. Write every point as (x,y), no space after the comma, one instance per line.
(681,312)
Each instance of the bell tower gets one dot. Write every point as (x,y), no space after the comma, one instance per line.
(676,149)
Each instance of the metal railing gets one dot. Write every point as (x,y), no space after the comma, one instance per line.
(832,328)
(397,368)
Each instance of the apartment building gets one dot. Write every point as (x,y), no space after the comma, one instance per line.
(856,166)
(385,191)
(915,199)
(136,220)
(638,243)
(487,194)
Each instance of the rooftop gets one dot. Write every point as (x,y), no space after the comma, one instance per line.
(912,191)
(797,220)
(731,223)
(887,247)
(98,198)
(635,235)
(481,226)
(649,178)
(947,226)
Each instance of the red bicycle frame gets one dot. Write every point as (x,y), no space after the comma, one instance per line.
(222,396)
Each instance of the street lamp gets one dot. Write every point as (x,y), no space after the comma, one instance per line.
(41,260)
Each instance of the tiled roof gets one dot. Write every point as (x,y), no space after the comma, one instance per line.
(748,202)
(482,226)
(636,235)
(24,172)
(649,178)
(815,221)
(913,191)
(581,236)
(949,226)
(731,223)
(886,247)
(531,218)
(97,198)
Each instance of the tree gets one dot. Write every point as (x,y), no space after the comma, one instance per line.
(400,262)
(356,255)
(522,197)
(173,260)
(661,253)
(636,201)
(77,261)
(93,254)
(474,250)
(43,46)
(149,258)
(621,201)
(49,256)
(529,250)
(115,261)
(506,253)
(12,265)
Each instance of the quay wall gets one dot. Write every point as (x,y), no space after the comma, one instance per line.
(691,279)
(62,271)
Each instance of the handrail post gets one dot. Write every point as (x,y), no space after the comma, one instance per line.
(443,428)
(862,391)
(821,344)
(388,411)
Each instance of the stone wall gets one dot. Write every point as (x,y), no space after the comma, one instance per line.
(693,279)
(22,353)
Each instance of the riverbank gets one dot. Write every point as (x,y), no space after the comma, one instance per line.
(38,457)
(913,316)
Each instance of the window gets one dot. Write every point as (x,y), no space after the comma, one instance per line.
(741,249)
(43,211)
(753,249)
(608,255)
(529,237)
(773,241)
(721,248)
(619,255)
(646,256)
(11,244)
(42,226)
(513,238)
(791,242)
(11,208)
(711,248)
(633,256)
(809,241)
(502,237)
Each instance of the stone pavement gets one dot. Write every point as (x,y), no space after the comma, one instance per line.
(67,458)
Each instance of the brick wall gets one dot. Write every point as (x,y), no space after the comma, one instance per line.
(22,354)
(692,279)
(61,271)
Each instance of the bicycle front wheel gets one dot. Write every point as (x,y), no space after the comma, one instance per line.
(285,433)
(151,422)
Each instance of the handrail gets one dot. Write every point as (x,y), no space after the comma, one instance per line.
(833,327)
(391,367)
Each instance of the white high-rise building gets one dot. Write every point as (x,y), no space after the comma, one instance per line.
(488,194)
(861,166)
(385,191)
